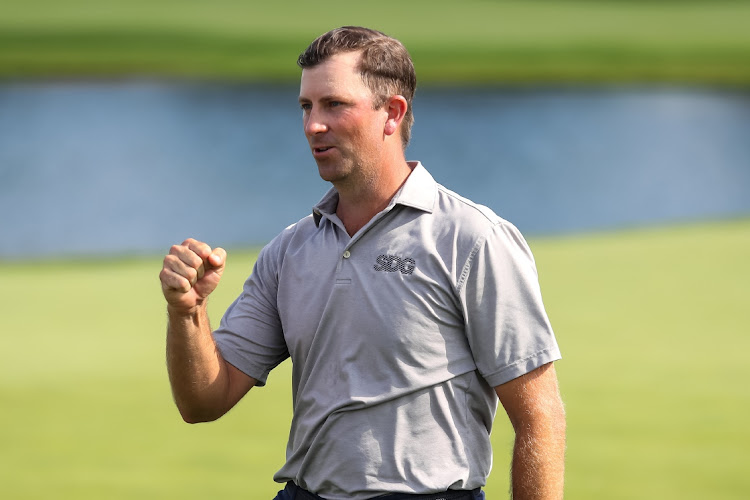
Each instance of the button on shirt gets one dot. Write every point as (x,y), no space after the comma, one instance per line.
(397,336)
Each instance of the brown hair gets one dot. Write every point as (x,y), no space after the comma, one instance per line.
(385,65)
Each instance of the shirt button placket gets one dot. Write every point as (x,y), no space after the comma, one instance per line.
(344,256)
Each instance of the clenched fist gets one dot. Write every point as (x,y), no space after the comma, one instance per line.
(190,273)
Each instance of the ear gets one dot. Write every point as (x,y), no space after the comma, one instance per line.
(396,108)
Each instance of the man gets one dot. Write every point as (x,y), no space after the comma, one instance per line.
(407,310)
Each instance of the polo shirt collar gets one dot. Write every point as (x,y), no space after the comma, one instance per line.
(419,191)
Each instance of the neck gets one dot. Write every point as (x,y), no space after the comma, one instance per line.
(360,201)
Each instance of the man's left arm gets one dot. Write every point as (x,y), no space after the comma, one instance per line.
(537,414)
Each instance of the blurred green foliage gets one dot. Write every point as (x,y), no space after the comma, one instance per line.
(652,324)
(479,41)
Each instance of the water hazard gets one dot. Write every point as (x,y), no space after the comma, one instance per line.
(115,168)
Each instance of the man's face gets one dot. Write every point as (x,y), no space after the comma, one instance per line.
(345,133)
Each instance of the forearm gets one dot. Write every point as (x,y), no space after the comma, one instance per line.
(197,372)
(539,459)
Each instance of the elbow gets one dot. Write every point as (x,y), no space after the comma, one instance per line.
(198,415)
(557,424)
(550,419)
(193,419)
(555,418)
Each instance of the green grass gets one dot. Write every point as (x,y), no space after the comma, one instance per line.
(654,327)
(478,41)
(652,323)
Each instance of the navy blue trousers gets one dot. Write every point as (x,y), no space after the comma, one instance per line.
(294,492)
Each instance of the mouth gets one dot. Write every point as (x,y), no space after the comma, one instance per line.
(322,152)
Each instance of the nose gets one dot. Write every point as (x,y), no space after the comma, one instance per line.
(313,123)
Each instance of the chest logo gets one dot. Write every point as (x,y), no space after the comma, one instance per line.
(393,263)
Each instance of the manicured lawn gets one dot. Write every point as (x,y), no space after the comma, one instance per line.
(471,42)
(652,323)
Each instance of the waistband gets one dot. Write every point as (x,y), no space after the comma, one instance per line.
(303,494)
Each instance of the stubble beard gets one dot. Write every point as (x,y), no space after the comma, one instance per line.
(352,168)
(333,171)
(348,174)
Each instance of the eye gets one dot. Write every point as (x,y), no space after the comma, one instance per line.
(305,106)
(335,104)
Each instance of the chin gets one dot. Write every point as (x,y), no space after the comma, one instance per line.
(331,173)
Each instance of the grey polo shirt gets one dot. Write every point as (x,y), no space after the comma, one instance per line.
(397,337)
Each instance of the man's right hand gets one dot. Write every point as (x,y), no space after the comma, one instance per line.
(190,273)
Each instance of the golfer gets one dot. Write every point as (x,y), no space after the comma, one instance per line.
(408,311)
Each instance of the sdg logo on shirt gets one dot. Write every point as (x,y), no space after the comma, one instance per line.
(393,263)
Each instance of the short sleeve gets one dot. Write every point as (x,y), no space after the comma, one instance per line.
(507,326)
(250,336)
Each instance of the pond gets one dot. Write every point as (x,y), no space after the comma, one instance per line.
(132,167)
